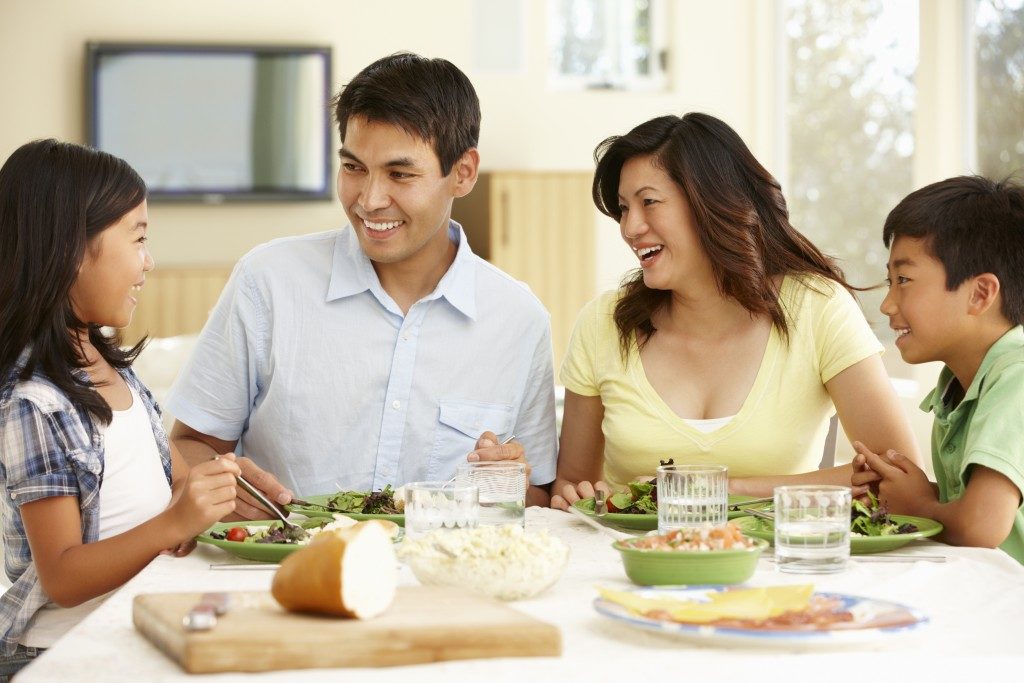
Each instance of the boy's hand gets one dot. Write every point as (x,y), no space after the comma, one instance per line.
(904,488)
(864,479)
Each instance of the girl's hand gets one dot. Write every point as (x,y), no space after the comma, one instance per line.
(207,495)
(570,493)
(182,549)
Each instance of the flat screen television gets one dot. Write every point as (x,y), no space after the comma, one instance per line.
(215,123)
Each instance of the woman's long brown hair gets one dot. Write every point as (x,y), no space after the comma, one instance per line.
(741,218)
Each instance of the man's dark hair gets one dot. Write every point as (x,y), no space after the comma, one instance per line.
(972,225)
(429,98)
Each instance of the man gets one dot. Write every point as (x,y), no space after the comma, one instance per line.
(385,352)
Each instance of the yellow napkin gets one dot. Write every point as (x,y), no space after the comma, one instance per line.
(743,603)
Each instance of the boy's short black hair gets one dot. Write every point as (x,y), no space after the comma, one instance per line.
(972,225)
(429,98)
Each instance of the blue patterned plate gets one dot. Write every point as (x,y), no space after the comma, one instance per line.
(864,610)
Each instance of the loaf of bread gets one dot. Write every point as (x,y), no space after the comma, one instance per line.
(349,572)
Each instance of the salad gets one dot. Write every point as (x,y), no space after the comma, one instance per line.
(640,499)
(873,519)
(383,502)
(275,533)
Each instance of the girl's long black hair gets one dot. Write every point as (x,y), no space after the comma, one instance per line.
(55,198)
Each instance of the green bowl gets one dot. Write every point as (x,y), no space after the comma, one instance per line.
(689,567)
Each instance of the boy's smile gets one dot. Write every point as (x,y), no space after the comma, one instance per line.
(927,317)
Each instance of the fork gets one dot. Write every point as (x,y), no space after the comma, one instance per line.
(612,533)
(760,514)
(600,503)
(755,501)
(264,501)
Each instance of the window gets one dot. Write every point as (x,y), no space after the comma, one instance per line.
(995,136)
(606,44)
(848,128)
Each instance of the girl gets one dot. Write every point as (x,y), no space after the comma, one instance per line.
(731,343)
(92,491)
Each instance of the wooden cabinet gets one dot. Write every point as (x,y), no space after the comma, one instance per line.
(539,227)
(176,301)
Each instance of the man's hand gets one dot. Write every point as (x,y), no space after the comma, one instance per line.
(570,493)
(489,450)
(246,506)
(903,487)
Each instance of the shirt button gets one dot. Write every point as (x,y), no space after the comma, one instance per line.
(405,337)
(396,404)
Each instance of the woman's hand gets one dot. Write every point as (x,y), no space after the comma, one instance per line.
(864,479)
(568,493)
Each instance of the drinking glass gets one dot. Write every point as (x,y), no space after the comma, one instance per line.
(691,496)
(433,505)
(502,490)
(812,528)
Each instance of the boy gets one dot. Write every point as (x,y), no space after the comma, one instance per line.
(956,295)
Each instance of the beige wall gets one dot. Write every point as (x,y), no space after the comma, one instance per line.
(524,126)
(721,62)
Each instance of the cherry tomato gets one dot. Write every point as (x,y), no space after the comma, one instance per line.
(236,533)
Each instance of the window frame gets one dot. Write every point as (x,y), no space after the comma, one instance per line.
(656,81)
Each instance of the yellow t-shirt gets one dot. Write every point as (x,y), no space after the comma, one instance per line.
(782,426)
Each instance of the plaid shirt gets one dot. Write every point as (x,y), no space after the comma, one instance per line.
(48,447)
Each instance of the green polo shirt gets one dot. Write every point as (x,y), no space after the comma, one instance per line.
(985,428)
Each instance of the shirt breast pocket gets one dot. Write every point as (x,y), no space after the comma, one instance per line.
(459,425)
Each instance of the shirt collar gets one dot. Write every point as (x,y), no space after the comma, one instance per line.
(1014,338)
(352,273)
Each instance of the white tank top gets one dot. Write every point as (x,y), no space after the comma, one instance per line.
(134,490)
(708,426)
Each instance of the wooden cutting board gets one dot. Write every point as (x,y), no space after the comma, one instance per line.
(424,624)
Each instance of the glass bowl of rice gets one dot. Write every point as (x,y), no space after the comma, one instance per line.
(502,562)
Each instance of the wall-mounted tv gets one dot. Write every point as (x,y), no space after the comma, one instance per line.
(215,123)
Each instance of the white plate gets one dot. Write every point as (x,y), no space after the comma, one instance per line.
(863,610)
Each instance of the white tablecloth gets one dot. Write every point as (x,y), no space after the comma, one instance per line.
(975,602)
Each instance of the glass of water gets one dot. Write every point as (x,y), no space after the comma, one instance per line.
(431,505)
(812,528)
(502,487)
(692,496)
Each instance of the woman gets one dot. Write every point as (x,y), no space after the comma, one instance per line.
(731,343)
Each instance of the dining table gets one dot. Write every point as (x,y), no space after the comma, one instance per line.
(973,601)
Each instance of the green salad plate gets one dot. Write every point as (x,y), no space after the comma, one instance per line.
(859,545)
(249,549)
(318,508)
(647,522)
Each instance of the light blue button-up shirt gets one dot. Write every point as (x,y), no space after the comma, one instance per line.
(314,369)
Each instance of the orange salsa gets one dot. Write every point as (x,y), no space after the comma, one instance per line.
(727,537)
